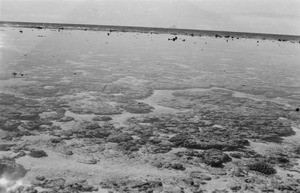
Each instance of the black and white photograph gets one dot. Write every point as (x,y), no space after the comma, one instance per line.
(149,96)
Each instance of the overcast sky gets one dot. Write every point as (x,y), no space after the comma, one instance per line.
(261,16)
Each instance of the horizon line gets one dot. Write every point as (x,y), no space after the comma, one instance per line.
(95,26)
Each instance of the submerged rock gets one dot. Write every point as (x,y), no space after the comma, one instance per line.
(11,169)
(102,118)
(6,147)
(37,153)
(10,125)
(262,167)
(215,158)
(66,119)
(176,166)
(200,175)
(118,138)
(92,126)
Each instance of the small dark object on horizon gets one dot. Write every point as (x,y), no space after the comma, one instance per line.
(108,34)
(192,35)
(75,73)
(21,31)
(39,27)
(297,109)
(14,74)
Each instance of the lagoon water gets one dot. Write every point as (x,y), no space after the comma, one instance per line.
(148,60)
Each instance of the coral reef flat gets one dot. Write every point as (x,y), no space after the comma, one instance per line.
(124,109)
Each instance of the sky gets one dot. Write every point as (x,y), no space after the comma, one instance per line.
(258,16)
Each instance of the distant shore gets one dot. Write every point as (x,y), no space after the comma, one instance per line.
(173,31)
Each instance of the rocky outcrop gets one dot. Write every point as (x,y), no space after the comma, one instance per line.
(118,138)
(262,167)
(215,158)
(11,169)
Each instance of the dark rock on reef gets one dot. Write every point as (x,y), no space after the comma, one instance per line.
(25,189)
(208,138)
(29,116)
(213,144)
(66,119)
(10,125)
(251,154)
(132,185)
(31,125)
(235,187)
(20,154)
(129,146)
(11,169)
(85,133)
(56,140)
(155,140)
(6,147)
(236,155)
(179,139)
(118,138)
(102,118)
(92,126)
(239,173)
(176,166)
(54,183)
(61,111)
(189,153)
(40,178)
(200,175)
(160,148)
(215,158)
(37,153)
(277,160)
(297,150)
(262,167)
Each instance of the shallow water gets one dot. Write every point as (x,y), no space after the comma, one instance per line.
(75,61)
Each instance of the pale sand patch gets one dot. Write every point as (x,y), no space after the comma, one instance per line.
(70,169)
(157,97)
(48,87)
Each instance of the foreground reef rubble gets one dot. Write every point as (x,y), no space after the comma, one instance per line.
(203,146)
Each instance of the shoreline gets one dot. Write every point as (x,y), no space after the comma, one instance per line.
(154,30)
